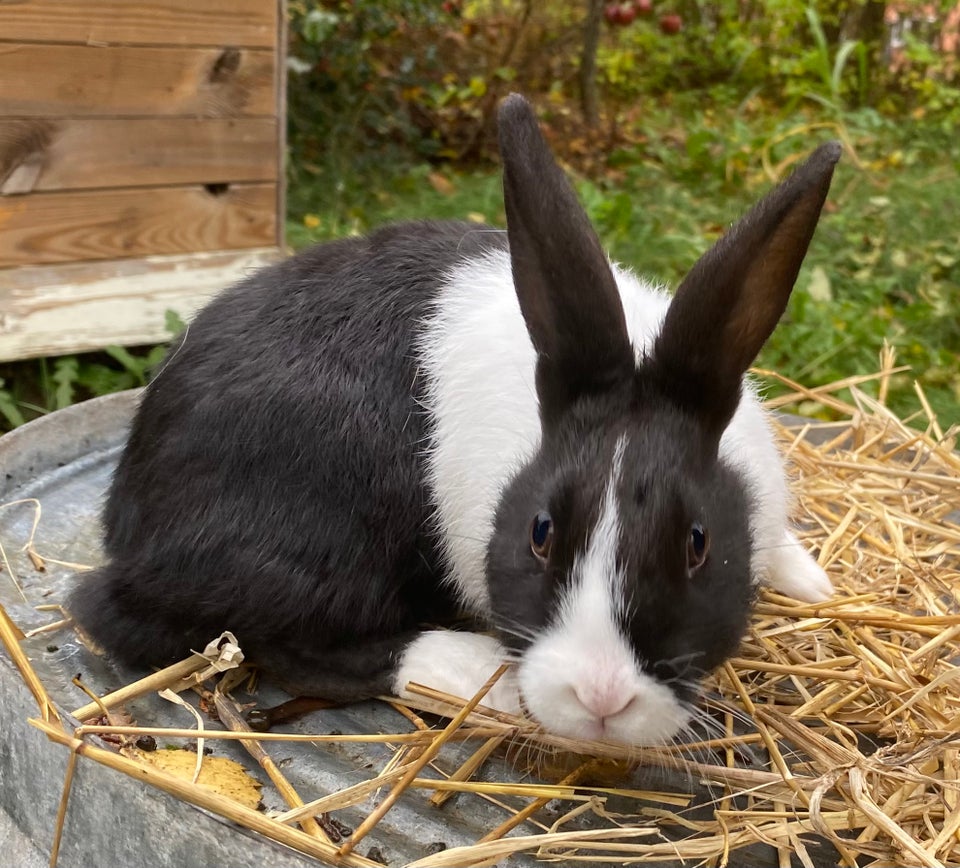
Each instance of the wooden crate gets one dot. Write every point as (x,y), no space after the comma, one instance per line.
(141,163)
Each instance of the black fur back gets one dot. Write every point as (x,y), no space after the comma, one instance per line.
(273,483)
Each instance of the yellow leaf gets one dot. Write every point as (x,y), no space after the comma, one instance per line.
(819,285)
(222,775)
(442,185)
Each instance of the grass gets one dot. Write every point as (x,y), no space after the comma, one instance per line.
(883,267)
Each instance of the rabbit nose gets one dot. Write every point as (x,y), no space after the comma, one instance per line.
(605,699)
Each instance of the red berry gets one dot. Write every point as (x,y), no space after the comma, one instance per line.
(671,23)
(644,8)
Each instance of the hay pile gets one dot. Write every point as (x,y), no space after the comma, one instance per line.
(839,721)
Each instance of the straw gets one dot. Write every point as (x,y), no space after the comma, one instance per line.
(230,716)
(204,798)
(839,719)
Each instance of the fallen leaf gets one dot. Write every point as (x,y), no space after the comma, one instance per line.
(224,776)
(819,285)
(441,184)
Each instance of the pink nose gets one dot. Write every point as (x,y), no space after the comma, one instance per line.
(604,700)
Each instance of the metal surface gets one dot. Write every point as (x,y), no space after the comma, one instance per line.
(59,467)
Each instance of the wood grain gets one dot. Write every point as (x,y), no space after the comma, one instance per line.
(73,154)
(83,81)
(51,310)
(243,23)
(44,228)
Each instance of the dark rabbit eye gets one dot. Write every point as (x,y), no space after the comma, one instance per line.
(698,544)
(541,535)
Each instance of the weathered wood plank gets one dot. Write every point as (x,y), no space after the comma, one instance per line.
(280,100)
(72,154)
(82,81)
(244,23)
(53,310)
(45,228)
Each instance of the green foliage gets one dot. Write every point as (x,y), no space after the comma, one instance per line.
(391,192)
(129,372)
(880,273)
(64,375)
(173,322)
(826,76)
(924,84)
(351,61)
(33,388)
(391,106)
(8,407)
(883,266)
(376,80)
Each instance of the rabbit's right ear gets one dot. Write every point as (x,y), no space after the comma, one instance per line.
(567,291)
(729,303)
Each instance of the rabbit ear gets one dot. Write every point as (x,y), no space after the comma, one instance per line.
(567,292)
(729,303)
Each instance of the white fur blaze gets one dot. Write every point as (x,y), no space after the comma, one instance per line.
(581,678)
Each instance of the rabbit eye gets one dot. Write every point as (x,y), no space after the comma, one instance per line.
(541,535)
(698,544)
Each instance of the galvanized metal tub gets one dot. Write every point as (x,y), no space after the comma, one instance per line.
(63,463)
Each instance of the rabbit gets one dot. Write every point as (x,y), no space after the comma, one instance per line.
(353,448)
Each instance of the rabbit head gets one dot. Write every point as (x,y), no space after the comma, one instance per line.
(619,567)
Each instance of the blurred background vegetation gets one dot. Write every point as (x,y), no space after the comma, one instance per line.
(672,116)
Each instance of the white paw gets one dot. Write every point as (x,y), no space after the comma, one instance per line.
(792,571)
(459,664)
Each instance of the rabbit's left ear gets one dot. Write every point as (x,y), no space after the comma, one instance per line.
(731,300)
(567,292)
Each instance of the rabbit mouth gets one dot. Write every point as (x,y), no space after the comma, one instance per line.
(598,700)
(653,725)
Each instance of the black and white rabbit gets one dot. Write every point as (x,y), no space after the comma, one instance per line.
(382,432)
